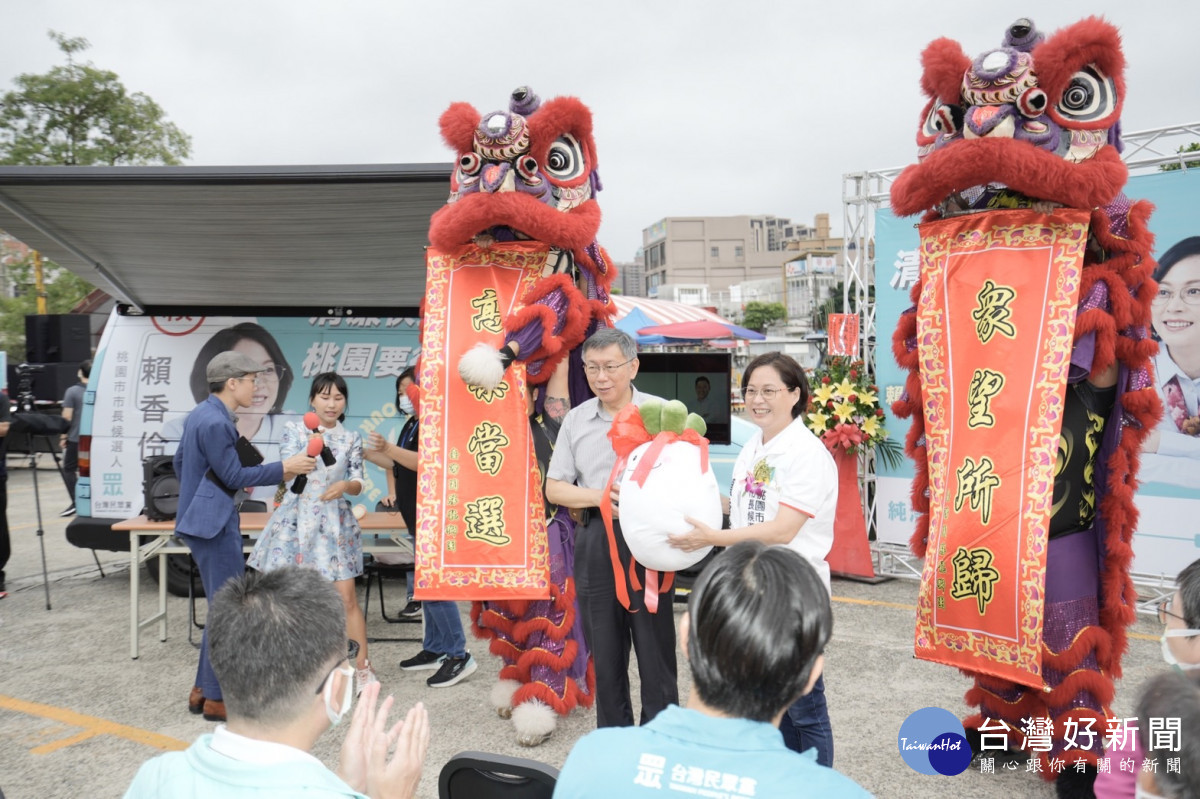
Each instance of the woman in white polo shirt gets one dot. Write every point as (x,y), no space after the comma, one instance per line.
(784,492)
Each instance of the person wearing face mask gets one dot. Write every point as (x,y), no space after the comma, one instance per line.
(444,644)
(278,645)
(1180,616)
(401,480)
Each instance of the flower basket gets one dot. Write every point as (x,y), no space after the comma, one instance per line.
(844,411)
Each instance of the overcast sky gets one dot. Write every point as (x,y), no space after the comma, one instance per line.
(700,107)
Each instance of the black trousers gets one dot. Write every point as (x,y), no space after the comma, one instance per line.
(610,630)
(70,467)
(5,545)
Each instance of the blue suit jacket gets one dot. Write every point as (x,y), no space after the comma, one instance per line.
(209,441)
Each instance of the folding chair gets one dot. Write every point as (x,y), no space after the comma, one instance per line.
(374,572)
(479,775)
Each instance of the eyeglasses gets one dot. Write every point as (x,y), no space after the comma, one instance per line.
(609,369)
(1163,612)
(766,393)
(351,655)
(1189,295)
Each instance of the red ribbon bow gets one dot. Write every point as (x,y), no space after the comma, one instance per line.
(844,435)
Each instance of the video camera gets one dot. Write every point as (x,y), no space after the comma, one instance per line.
(25,373)
(27,419)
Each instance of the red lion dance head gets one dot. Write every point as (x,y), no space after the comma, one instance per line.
(529,173)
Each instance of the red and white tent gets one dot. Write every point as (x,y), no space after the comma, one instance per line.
(663,312)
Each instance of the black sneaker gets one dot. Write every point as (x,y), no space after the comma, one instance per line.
(69,511)
(422,660)
(453,671)
(411,610)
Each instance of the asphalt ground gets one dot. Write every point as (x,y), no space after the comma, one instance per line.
(78,716)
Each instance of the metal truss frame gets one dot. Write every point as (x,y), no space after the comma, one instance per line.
(864,193)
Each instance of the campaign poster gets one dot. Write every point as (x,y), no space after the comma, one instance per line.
(149,373)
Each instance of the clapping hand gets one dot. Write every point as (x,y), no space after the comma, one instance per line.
(365,765)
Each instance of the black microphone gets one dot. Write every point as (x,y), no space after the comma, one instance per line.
(313,423)
(315,444)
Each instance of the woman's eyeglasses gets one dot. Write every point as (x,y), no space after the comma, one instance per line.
(766,393)
(1189,295)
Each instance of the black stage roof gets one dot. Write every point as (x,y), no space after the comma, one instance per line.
(266,238)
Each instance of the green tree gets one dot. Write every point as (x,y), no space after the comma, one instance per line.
(63,291)
(73,115)
(1194,147)
(78,115)
(759,315)
(834,304)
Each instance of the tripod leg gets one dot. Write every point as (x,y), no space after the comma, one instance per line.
(96,558)
(37,503)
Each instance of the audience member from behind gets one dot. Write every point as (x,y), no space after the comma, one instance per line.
(1180,616)
(756,625)
(278,645)
(1175,697)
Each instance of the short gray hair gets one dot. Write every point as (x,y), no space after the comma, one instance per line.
(1173,695)
(606,337)
(270,637)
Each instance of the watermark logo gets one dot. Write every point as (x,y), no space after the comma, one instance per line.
(932,741)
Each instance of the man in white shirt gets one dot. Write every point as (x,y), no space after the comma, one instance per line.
(578,472)
(278,645)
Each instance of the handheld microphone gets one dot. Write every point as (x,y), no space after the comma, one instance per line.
(315,445)
(313,423)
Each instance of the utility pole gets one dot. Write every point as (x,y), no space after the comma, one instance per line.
(39,283)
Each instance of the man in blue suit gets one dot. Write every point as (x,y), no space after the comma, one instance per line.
(210,472)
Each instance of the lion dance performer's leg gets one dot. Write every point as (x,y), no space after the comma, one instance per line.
(546,669)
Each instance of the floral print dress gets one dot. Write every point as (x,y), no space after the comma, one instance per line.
(304,531)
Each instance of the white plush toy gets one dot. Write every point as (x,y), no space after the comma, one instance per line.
(678,483)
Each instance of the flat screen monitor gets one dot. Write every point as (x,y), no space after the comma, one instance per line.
(700,380)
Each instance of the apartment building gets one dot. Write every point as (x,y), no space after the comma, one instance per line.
(699,259)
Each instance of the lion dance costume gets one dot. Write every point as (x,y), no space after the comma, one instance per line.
(1018,152)
(526,180)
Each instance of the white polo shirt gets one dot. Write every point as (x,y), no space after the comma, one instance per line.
(794,469)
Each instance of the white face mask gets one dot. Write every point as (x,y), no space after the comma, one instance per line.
(1141,793)
(1169,656)
(335,716)
(406,404)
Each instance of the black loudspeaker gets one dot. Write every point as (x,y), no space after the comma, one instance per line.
(58,338)
(161,488)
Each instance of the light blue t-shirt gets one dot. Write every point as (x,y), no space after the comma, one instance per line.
(687,752)
(200,773)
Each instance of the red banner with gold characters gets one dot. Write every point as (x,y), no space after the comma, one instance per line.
(995,321)
(842,334)
(481,524)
